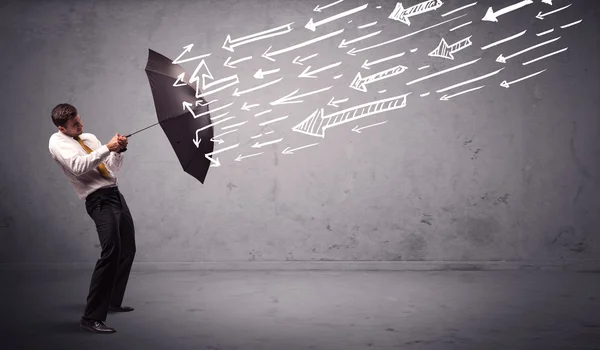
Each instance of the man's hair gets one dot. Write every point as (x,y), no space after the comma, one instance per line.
(62,113)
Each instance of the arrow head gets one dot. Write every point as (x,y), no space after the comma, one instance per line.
(226,64)
(505,84)
(239,158)
(442,50)
(352,52)
(490,16)
(501,59)
(310,25)
(304,74)
(236,93)
(317,9)
(444,98)
(343,44)
(186,104)
(227,44)
(365,65)
(539,16)
(188,48)
(356,128)
(265,55)
(197,142)
(285,151)
(259,74)
(256,145)
(295,61)
(214,162)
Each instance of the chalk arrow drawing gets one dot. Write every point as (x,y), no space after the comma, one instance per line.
(215,162)
(231,64)
(260,74)
(240,157)
(334,103)
(492,16)
(287,150)
(359,83)
(401,14)
(205,86)
(299,61)
(506,84)
(318,8)
(247,107)
(367,64)
(445,51)
(345,43)
(357,129)
(502,59)
(268,55)
(259,145)
(186,50)
(313,25)
(307,74)
(229,44)
(318,122)
(541,16)
(292,97)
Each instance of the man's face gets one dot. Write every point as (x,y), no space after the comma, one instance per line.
(73,128)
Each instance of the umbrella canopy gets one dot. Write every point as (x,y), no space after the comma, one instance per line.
(179,125)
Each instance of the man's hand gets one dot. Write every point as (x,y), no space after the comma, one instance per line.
(122,143)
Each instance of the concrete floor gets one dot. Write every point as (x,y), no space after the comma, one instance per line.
(284,310)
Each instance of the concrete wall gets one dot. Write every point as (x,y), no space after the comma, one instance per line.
(492,174)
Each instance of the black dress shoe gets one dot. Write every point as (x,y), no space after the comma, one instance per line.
(95,326)
(120,308)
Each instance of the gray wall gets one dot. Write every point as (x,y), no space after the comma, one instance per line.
(492,174)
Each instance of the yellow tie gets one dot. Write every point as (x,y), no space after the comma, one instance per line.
(101,168)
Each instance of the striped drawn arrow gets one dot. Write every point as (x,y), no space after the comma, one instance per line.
(359,83)
(445,51)
(401,14)
(317,122)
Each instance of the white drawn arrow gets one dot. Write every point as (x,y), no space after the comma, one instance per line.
(180,78)
(334,103)
(186,50)
(354,51)
(470,80)
(504,40)
(345,43)
(541,16)
(447,97)
(259,145)
(313,25)
(217,138)
(318,8)
(260,74)
(400,14)
(195,79)
(502,59)
(307,74)
(268,54)
(357,129)
(292,98)
(240,157)
(229,44)
(359,83)
(239,93)
(231,64)
(492,16)
(287,150)
(247,107)
(367,64)
(317,122)
(508,84)
(188,105)
(445,51)
(297,61)
(216,162)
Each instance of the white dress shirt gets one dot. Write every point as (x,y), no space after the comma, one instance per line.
(80,167)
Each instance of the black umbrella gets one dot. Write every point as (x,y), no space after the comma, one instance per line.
(190,136)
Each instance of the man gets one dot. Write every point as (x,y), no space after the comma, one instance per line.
(91,168)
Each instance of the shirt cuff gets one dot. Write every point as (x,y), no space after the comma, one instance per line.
(103,150)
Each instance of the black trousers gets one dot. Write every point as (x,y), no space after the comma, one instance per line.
(108,209)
